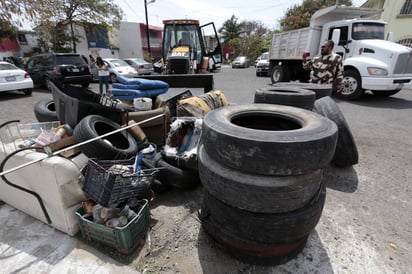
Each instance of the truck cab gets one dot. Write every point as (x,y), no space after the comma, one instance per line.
(370,62)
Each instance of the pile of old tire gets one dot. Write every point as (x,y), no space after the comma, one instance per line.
(346,153)
(261,167)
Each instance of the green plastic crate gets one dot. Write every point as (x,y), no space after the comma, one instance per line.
(125,239)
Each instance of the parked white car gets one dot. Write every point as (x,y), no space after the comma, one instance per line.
(142,67)
(14,78)
(116,67)
(262,66)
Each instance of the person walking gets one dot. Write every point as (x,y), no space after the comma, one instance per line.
(103,73)
(327,67)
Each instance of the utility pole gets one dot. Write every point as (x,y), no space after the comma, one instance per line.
(147,28)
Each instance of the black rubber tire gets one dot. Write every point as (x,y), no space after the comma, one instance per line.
(385,93)
(120,145)
(319,89)
(351,86)
(261,228)
(175,177)
(288,96)
(28,91)
(253,253)
(85,84)
(45,111)
(346,153)
(269,139)
(257,193)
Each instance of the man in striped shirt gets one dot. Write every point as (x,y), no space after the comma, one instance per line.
(327,67)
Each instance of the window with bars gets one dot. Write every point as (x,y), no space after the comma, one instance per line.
(406,42)
(407,7)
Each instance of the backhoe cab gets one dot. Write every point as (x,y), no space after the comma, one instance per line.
(188,48)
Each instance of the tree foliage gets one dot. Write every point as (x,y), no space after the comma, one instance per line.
(55,21)
(67,14)
(298,16)
(231,29)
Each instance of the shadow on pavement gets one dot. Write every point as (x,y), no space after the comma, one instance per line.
(341,179)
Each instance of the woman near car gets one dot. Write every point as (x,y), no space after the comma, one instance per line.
(103,73)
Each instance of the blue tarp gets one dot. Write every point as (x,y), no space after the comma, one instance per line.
(130,88)
(139,83)
(130,94)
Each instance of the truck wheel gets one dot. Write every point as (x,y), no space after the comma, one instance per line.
(45,111)
(346,153)
(280,74)
(257,193)
(120,145)
(385,93)
(351,86)
(288,96)
(269,139)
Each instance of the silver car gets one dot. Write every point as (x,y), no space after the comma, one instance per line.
(116,67)
(142,67)
(241,62)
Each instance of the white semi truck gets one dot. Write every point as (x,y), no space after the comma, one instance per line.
(370,62)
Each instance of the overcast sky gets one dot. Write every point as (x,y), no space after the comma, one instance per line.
(266,11)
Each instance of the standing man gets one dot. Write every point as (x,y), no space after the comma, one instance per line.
(327,68)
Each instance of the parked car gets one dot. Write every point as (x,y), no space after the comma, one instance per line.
(142,67)
(262,67)
(14,78)
(116,67)
(61,68)
(241,62)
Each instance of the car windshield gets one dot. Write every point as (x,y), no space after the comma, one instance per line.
(362,31)
(240,58)
(265,56)
(7,66)
(69,59)
(118,63)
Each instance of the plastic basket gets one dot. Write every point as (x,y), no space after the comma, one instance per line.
(23,134)
(124,239)
(108,184)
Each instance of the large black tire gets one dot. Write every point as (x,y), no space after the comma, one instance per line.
(261,228)
(269,139)
(385,93)
(319,89)
(288,96)
(257,193)
(45,111)
(280,74)
(346,153)
(351,86)
(253,253)
(175,177)
(120,145)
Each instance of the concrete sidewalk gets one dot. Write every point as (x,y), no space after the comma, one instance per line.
(30,246)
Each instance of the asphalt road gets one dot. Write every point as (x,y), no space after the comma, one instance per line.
(366,225)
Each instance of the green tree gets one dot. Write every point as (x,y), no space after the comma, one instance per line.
(12,13)
(57,24)
(298,16)
(231,29)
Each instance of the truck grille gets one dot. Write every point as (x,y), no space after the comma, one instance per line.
(404,64)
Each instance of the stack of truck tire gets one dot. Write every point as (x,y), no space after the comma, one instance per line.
(261,166)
